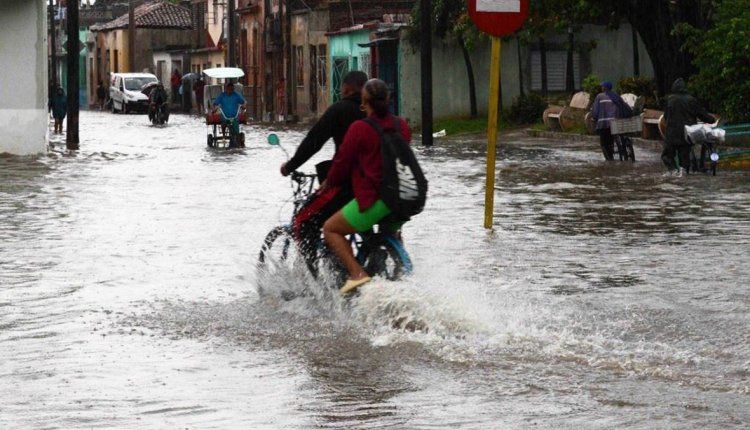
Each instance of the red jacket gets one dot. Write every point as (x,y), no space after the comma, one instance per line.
(358,159)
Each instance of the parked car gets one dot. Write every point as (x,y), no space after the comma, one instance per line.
(125,91)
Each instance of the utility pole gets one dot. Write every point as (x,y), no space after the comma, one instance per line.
(232,60)
(131,36)
(425,18)
(74,50)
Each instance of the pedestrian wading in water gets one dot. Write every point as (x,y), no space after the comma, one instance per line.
(58,105)
(682,109)
(608,105)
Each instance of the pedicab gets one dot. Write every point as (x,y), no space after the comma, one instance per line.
(221,134)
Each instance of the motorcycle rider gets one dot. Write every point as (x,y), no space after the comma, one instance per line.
(332,125)
(157,99)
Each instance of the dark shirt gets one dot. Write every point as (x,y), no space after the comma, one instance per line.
(58,104)
(198,87)
(333,124)
(682,109)
(158,96)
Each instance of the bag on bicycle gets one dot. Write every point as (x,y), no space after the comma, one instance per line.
(404,187)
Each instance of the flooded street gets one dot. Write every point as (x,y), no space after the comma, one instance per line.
(606,297)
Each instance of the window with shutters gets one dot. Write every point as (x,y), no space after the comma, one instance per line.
(556,70)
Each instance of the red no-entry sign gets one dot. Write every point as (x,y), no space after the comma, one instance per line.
(498,17)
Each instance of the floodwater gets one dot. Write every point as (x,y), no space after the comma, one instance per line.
(606,296)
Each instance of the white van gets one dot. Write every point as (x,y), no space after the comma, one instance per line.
(125,91)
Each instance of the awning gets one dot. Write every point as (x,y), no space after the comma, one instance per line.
(378,41)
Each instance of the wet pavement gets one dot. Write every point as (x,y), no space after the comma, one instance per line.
(606,296)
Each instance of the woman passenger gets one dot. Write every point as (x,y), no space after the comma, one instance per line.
(358,160)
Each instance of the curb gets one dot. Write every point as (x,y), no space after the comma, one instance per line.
(573,137)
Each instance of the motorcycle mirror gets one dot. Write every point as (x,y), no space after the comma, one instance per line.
(273,140)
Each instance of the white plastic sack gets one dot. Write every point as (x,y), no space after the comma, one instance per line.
(704,133)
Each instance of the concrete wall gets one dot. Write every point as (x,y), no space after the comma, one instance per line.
(450,87)
(612,59)
(23,95)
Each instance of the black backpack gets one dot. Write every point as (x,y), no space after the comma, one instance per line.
(404,187)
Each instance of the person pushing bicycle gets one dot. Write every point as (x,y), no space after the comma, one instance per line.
(332,125)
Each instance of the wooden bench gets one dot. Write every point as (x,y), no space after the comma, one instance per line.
(566,117)
(654,125)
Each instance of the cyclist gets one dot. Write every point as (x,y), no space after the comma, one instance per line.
(230,103)
(359,161)
(332,125)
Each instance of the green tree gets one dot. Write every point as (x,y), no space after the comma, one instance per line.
(655,21)
(450,18)
(722,57)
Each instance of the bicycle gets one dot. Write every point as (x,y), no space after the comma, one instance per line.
(219,124)
(707,137)
(624,148)
(620,129)
(381,253)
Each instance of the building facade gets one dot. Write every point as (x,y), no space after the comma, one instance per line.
(23,96)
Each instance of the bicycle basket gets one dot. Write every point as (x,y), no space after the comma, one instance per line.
(634,124)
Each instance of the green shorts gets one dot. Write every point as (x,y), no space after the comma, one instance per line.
(363,221)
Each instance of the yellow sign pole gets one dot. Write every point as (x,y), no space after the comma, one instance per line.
(489,197)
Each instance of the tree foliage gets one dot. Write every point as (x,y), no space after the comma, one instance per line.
(655,21)
(722,57)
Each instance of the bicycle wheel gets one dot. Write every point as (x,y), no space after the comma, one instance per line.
(620,148)
(385,258)
(629,151)
(279,253)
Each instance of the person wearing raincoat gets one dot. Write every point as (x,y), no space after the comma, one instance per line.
(58,105)
(682,109)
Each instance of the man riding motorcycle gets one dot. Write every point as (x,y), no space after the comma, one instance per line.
(332,125)
(158,99)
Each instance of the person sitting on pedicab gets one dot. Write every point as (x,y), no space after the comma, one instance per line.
(157,97)
(229,103)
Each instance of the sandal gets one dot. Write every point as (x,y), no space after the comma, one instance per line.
(352,284)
